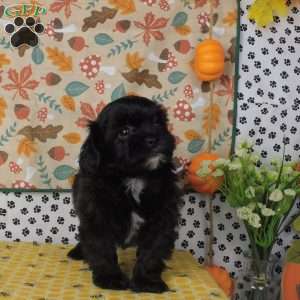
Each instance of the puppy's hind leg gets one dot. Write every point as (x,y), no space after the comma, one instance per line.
(76,252)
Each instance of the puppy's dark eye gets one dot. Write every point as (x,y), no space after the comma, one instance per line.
(124,132)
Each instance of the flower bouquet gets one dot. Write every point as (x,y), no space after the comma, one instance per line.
(263,195)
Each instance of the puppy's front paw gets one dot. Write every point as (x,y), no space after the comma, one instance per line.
(145,285)
(116,282)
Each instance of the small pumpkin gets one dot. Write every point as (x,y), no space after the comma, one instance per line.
(223,279)
(203,184)
(290,281)
(209,60)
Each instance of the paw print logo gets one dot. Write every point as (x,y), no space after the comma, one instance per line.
(24,32)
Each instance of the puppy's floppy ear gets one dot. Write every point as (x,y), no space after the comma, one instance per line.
(90,153)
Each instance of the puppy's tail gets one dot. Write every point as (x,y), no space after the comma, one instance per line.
(76,252)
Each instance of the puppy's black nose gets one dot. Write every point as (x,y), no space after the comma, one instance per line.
(151,141)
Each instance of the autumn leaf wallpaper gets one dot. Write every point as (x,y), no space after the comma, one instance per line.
(93,52)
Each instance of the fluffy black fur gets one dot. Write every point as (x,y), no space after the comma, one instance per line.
(129,139)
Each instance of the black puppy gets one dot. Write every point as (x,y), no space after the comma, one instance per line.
(126,191)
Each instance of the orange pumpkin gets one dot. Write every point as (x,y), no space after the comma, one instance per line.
(209,60)
(290,280)
(203,184)
(223,279)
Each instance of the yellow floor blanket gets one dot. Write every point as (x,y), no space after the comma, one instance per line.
(43,272)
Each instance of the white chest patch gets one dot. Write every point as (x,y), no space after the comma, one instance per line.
(135,186)
(136,222)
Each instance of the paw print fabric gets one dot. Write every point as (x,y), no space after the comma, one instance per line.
(58,71)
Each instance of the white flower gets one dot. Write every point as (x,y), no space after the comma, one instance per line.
(245,145)
(221,162)
(272,175)
(290,192)
(234,166)
(218,173)
(265,211)
(244,212)
(250,192)
(252,206)
(203,171)
(276,195)
(241,152)
(288,170)
(254,220)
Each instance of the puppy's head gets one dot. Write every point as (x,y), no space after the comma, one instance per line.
(129,134)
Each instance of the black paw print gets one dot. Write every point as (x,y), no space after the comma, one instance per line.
(24,33)
(39,231)
(190,234)
(46,218)
(65,240)
(60,220)
(196,224)
(25,231)
(16,221)
(2,225)
(2,212)
(37,209)
(54,207)
(72,213)
(32,220)
(45,199)
(72,228)
(8,234)
(66,200)
(29,198)
(48,239)
(56,196)
(200,244)
(54,230)
(11,204)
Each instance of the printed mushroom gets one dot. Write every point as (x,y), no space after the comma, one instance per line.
(188,91)
(183,111)
(90,66)
(22,184)
(164,5)
(14,167)
(100,87)
(170,61)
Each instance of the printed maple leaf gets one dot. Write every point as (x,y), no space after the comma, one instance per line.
(58,5)
(89,114)
(227,84)
(151,27)
(21,82)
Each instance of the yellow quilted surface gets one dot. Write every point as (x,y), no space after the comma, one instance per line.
(43,272)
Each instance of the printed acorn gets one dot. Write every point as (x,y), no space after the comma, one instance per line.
(77,43)
(122,26)
(57,153)
(52,78)
(183,46)
(21,111)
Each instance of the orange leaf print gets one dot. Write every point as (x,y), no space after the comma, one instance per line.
(230,19)
(125,6)
(192,135)
(21,82)
(151,27)
(212,113)
(26,147)
(134,61)
(87,111)
(3,107)
(183,30)
(58,58)
(72,138)
(4,60)
(58,5)
(68,102)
